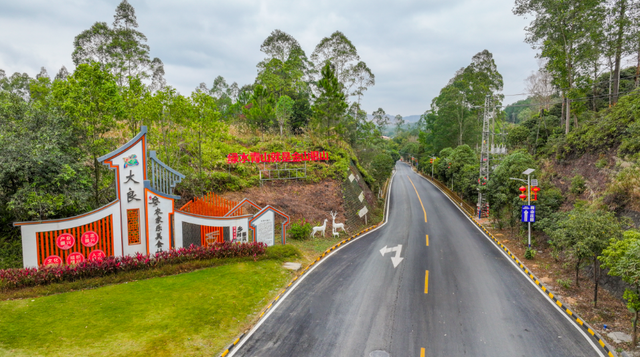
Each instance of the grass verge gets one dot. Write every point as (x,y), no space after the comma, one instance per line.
(191,314)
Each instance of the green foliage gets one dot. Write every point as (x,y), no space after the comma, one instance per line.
(283,252)
(565,283)
(582,234)
(578,185)
(622,258)
(602,163)
(299,230)
(329,108)
(530,253)
(284,110)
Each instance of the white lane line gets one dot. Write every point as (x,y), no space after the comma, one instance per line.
(262,320)
(573,323)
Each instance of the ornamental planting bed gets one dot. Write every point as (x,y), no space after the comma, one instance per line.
(100,267)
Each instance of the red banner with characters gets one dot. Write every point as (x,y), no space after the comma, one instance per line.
(255,157)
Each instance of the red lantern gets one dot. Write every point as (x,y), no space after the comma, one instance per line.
(536,189)
(523,196)
(522,189)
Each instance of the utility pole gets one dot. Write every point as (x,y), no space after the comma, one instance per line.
(483,205)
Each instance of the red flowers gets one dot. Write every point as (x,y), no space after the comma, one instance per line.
(17,278)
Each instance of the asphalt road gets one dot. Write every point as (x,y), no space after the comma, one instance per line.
(456,296)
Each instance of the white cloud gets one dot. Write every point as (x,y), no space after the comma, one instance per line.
(413,47)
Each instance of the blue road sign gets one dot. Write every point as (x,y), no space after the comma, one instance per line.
(528,213)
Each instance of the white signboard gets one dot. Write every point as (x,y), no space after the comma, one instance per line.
(363,211)
(534,182)
(158,210)
(361,197)
(351,178)
(265,228)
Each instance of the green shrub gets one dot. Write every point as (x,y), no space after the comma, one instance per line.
(601,163)
(565,283)
(282,252)
(578,185)
(299,230)
(530,253)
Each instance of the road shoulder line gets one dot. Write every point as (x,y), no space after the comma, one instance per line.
(577,322)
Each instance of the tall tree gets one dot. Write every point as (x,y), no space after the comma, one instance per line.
(329,108)
(284,109)
(90,96)
(260,113)
(560,29)
(349,70)
(122,49)
(380,118)
(399,121)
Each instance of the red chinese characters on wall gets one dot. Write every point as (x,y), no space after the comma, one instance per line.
(254,157)
(97,255)
(89,239)
(75,258)
(65,241)
(52,260)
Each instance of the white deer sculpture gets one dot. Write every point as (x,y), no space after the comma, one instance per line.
(335,226)
(319,229)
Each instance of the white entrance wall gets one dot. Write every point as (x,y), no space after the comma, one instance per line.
(29,230)
(180,217)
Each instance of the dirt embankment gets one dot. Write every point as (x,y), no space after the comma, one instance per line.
(310,201)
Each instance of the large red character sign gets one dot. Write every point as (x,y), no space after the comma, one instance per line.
(89,239)
(255,157)
(65,241)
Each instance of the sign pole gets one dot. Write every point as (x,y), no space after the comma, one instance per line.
(529,204)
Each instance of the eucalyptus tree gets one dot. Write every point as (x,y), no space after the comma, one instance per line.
(62,74)
(399,121)
(286,69)
(621,22)
(560,29)
(343,55)
(380,118)
(121,49)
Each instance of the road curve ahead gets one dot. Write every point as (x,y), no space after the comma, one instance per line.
(451,293)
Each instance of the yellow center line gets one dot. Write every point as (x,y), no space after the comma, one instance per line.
(426,282)
(427,240)
(422,352)
(414,187)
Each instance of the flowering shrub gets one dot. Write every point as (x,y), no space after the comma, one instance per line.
(17,278)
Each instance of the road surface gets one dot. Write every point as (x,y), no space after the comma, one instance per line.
(452,293)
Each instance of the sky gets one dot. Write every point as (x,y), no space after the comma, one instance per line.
(412,47)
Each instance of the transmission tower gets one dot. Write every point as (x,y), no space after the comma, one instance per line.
(485,154)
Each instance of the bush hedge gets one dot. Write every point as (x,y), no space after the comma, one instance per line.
(18,278)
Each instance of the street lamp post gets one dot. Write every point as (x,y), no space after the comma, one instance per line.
(527,172)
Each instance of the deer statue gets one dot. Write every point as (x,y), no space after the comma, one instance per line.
(336,226)
(319,229)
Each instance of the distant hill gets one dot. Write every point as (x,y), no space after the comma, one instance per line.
(408,118)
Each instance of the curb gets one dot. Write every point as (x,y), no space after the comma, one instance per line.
(318,259)
(585,326)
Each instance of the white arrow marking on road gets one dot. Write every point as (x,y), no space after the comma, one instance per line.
(395,259)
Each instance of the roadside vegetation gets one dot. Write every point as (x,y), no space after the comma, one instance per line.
(578,127)
(54,127)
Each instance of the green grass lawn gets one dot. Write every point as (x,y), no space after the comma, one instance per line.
(191,314)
